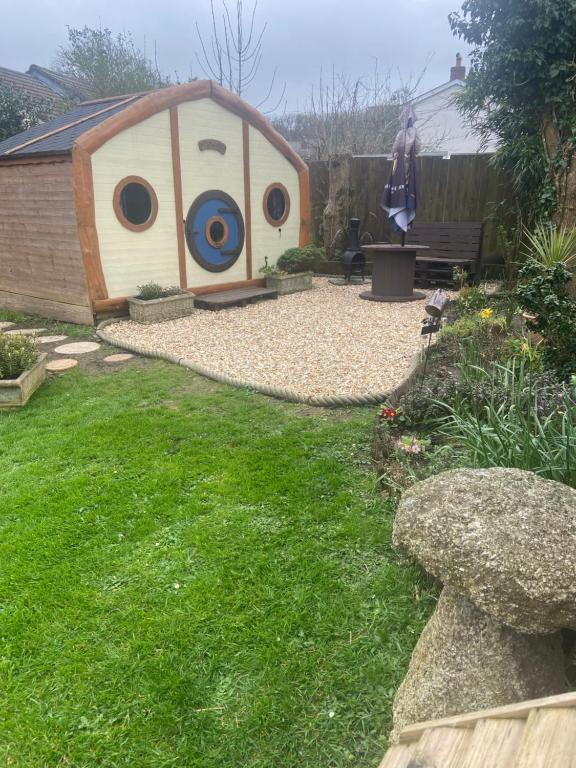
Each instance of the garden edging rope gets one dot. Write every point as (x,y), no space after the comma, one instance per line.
(330,401)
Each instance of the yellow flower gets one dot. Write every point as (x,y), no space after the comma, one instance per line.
(486,313)
(525,348)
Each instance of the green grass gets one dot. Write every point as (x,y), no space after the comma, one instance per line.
(53,326)
(194,576)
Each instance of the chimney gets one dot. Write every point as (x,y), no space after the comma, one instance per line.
(458,72)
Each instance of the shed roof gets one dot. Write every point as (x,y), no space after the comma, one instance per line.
(57,136)
(73,130)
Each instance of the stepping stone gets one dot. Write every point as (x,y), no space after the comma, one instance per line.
(51,339)
(120,358)
(77,348)
(5,324)
(25,331)
(57,366)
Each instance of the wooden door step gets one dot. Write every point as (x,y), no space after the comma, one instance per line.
(237,297)
(540,733)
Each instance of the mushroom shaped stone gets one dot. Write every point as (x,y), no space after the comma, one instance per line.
(503,538)
(465,660)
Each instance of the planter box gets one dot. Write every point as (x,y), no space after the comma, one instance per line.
(284,284)
(159,310)
(14,393)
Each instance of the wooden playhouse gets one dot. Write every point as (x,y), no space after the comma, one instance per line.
(186,186)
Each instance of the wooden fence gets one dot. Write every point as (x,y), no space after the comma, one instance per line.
(462,188)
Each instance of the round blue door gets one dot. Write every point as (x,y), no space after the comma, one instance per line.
(215,230)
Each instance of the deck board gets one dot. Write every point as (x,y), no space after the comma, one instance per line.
(237,297)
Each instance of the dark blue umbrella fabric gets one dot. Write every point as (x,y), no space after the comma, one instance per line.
(399,198)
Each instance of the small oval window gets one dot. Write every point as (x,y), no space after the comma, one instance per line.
(216,231)
(276,204)
(135,203)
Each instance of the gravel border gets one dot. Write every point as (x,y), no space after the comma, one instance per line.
(282,394)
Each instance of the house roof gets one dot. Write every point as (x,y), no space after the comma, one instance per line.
(22,81)
(439,89)
(65,85)
(57,136)
(52,87)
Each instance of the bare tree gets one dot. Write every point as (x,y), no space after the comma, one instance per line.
(232,54)
(349,116)
(346,116)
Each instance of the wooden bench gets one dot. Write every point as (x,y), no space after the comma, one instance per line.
(452,244)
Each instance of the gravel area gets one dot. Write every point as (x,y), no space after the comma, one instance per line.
(321,342)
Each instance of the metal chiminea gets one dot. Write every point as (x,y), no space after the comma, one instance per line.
(353,260)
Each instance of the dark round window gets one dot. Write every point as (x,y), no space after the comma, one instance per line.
(135,203)
(276,204)
(216,231)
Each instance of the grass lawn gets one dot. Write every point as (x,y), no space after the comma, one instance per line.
(194,576)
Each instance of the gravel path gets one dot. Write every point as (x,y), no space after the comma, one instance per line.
(322,342)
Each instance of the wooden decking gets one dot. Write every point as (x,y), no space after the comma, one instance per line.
(532,734)
(237,297)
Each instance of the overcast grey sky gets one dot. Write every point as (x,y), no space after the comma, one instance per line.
(302,37)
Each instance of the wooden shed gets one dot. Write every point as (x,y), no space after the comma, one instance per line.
(186,186)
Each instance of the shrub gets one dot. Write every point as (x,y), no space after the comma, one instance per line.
(543,291)
(422,404)
(17,354)
(527,429)
(301,259)
(472,339)
(470,298)
(550,245)
(151,291)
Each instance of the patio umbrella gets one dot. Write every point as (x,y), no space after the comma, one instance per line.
(399,198)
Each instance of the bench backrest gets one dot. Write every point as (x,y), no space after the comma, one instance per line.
(451,240)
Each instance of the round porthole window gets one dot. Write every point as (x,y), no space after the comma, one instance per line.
(276,204)
(216,231)
(135,203)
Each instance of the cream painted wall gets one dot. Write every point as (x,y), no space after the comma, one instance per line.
(268,165)
(202,171)
(441,127)
(131,258)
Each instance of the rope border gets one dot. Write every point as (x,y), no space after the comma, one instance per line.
(278,392)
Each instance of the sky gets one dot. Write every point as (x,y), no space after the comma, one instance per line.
(303,37)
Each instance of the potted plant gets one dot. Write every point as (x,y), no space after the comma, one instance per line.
(293,272)
(22,369)
(154,304)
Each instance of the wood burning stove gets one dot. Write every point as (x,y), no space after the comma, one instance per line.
(353,260)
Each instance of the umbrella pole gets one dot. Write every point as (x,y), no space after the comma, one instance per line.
(403,238)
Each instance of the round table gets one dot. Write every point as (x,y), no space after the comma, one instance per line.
(393,268)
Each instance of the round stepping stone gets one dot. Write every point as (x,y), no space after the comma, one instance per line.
(51,339)
(77,348)
(56,366)
(25,331)
(5,324)
(120,358)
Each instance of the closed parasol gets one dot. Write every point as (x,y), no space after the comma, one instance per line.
(399,198)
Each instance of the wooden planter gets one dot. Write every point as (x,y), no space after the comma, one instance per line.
(284,284)
(14,393)
(159,310)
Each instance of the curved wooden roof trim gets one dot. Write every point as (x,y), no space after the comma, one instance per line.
(164,98)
